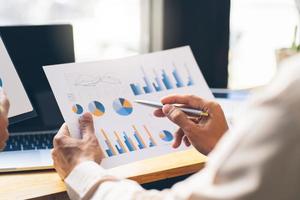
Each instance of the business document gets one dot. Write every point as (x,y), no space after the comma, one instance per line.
(127,131)
(12,85)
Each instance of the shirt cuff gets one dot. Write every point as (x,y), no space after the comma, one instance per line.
(85,178)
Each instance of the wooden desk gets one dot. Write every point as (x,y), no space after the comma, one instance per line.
(26,185)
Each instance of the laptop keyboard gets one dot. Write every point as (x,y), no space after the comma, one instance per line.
(29,142)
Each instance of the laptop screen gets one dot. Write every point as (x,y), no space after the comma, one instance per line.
(31,48)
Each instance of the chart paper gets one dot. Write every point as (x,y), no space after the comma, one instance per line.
(126,131)
(11,83)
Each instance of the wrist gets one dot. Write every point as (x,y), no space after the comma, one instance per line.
(85,177)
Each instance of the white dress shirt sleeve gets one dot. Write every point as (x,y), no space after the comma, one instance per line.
(258,159)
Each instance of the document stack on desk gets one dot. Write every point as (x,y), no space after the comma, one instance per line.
(127,131)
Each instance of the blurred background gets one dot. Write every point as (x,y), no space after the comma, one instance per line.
(105,29)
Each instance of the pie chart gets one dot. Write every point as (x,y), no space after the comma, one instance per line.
(77,109)
(166,136)
(122,106)
(96,108)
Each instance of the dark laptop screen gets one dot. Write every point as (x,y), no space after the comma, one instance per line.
(31,48)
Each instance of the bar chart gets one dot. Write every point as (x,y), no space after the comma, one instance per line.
(125,142)
(110,91)
(161,81)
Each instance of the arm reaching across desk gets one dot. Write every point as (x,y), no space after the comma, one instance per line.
(258,159)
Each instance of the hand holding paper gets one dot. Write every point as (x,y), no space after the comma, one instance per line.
(126,131)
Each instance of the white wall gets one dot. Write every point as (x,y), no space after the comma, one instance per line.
(258,28)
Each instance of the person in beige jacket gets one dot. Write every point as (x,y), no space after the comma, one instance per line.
(257,159)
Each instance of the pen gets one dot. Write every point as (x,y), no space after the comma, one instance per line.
(185,110)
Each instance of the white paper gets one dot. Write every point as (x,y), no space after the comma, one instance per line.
(11,83)
(107,81)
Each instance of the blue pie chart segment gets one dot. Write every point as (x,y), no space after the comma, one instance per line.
(122,106)
(96,108)
(166,136)
(77,109)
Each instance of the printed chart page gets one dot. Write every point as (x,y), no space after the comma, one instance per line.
(126,131)
(11,83)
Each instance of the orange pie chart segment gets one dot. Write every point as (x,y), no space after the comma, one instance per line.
(122,106)
(96,108)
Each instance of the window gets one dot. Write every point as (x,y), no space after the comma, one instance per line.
(258,28)
(102,28)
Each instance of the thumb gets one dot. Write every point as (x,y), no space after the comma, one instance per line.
(61,135)
(178,117)
(86,125)
(4,102)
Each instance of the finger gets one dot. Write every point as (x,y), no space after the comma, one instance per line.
(54,154)
(86,125)
(178,138)
(58,169)
(2,145)
(3,138)
(190,100)
(4,103)
(186,141)
(194,119)
(179,118)
(3,130)
(159,113)
(64,130)
(61,135)
(5,135)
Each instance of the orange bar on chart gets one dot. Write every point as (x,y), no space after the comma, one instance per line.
(120,141)
(139,135)
(150,135)
(109,143)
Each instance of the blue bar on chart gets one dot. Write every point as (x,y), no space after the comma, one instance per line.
(121,148)
(149,87)
(110,150)
(124,143)
(166,80)
(161,82)
(136,89)
(139,139)
(190,79)
(130,145)
(140,145)
(158,86)
(179,82)
(152,142)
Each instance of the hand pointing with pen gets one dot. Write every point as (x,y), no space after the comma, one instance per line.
(200,131)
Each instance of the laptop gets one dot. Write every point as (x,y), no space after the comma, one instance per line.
(31,48)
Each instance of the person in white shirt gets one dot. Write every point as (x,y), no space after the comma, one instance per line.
(4,108)
(258,158)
